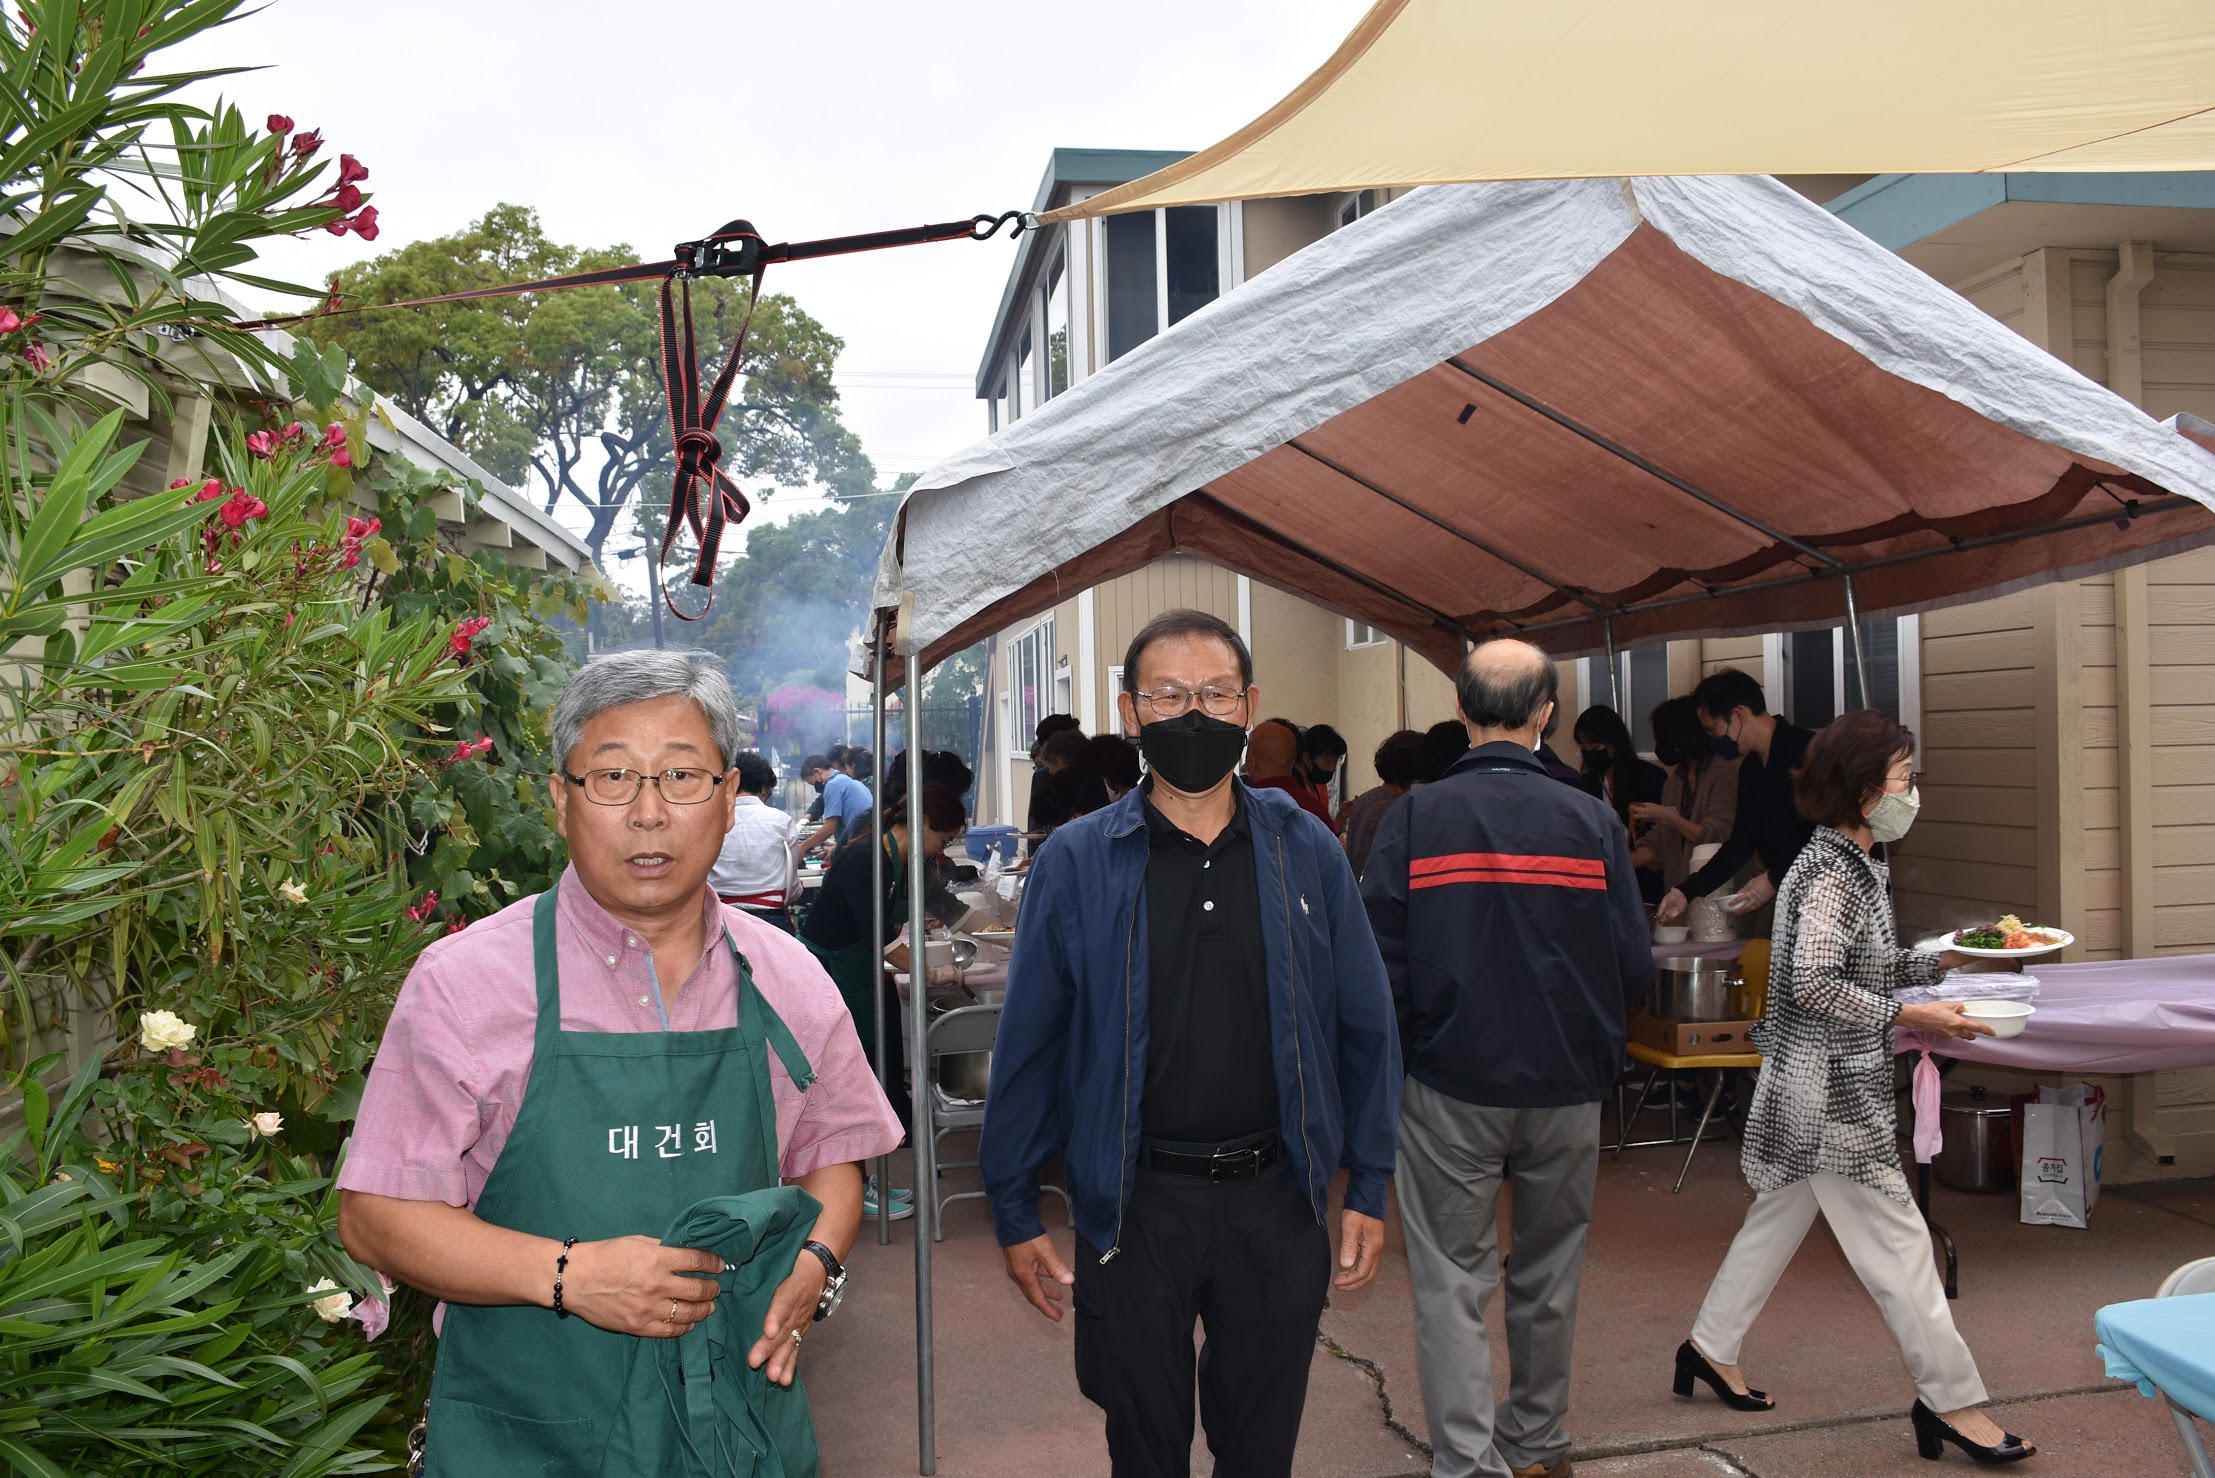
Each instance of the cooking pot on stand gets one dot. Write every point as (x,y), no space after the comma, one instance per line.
(1692,989)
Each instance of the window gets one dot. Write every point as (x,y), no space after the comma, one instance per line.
(1030,678)
(1026,375)
(1818,672)
(1192,264)
(1352,208)
(1115,704)
(1057,327)
(1133,283)
(1644,676)
(1064,689)
(1359,634)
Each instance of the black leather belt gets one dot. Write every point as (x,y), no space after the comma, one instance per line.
(1242,1163)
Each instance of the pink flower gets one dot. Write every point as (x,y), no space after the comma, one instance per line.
(334,434)
(241,507)
(465,633)
(426,908)
(375,1314)
(361,528)
(210,490)
(261,444)
(342,458)
(180,484)
(483,746)
(349,557)
(293,432)
(304,145)
(365,223)
(9,322)
(38,358)
(458,925)
(279,124)
(350,170)
(346,197)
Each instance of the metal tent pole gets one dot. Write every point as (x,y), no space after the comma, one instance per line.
(1861,658)
(919,1134)
(883,1166)
(1614,665)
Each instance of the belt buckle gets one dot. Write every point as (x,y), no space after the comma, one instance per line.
(1234,1164)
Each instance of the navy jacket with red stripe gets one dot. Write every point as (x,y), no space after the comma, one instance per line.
(1508,915)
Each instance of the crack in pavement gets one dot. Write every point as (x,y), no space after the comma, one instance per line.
(1374,1374)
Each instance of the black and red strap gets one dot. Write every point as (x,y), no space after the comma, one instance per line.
(702,495)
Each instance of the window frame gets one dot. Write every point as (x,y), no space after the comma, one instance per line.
(1355,642)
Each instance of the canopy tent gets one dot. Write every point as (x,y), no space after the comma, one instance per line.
(1589,411)
(1437,91)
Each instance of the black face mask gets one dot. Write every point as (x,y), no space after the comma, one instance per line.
(1192,751)
(1597,759)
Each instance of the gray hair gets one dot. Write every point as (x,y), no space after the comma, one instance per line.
(613,679)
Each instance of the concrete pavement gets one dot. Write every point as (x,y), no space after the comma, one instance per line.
(1007,1402)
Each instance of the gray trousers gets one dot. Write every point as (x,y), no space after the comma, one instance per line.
(1453,1158)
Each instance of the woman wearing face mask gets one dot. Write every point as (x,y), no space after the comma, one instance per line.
(1822,1135)
(1699,800)
(1618,776)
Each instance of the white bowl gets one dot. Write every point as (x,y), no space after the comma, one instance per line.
(2006,1018)
(1672,934)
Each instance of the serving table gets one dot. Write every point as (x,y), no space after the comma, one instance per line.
(2098,1016)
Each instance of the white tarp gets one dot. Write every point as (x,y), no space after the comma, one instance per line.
(1366,333)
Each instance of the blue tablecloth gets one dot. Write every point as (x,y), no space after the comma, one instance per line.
(2166,1345)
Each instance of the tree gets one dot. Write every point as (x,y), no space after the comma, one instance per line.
(564,388)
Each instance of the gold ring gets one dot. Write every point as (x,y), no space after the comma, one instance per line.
(671,1317)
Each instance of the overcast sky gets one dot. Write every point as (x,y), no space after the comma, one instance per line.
(650,122)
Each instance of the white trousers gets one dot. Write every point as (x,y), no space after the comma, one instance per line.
(1888,1245)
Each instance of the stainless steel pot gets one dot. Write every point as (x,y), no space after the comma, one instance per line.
(1979,1150)
(1691,989)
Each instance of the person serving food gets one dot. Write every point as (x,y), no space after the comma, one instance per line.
(615,1113)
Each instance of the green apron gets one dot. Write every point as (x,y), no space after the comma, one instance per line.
(858,969)
(619,1133)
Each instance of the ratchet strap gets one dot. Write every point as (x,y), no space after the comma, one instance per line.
(702,496)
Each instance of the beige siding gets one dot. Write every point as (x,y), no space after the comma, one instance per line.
(1969,857)
(2180,650)
(1275,229)
(1741,652)
(1296,651)
(1123,605)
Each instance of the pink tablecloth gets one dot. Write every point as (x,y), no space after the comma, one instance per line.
(2107,1016)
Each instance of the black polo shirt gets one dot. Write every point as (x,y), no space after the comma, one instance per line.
(1210,1074)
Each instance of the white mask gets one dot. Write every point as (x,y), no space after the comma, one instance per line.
(1894,812)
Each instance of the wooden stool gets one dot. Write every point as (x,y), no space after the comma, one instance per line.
(1662,1062)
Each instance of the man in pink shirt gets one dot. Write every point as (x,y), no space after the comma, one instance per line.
(562,1080)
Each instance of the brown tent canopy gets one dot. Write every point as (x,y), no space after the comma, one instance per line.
(1588,411)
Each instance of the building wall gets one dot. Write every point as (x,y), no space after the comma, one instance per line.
(2068,730)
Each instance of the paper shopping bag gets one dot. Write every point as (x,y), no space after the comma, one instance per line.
(2054,1173)
(2091,1104)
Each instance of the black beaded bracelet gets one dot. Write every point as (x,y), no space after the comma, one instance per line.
(561,1266)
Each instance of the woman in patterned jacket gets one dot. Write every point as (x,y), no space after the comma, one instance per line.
(1822,1135)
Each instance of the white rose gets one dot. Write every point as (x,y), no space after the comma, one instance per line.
(292,892)
(332,1307)
(266,1125)
(158,1031)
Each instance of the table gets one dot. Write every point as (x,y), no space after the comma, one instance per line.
(2100,1016)
(2167,1346)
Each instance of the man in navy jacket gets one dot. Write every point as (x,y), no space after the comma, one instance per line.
(1509,918)
(1198,1023)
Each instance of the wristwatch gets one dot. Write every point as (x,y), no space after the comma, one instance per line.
(834,1280)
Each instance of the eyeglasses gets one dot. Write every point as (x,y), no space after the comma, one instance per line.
(680,787)
(1171,699)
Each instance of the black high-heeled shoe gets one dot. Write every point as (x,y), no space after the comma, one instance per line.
(1932,1434)
(1692,1365)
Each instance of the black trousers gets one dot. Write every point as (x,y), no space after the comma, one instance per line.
(1249,1261)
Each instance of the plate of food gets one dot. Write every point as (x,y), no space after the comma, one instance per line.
(2009,938)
